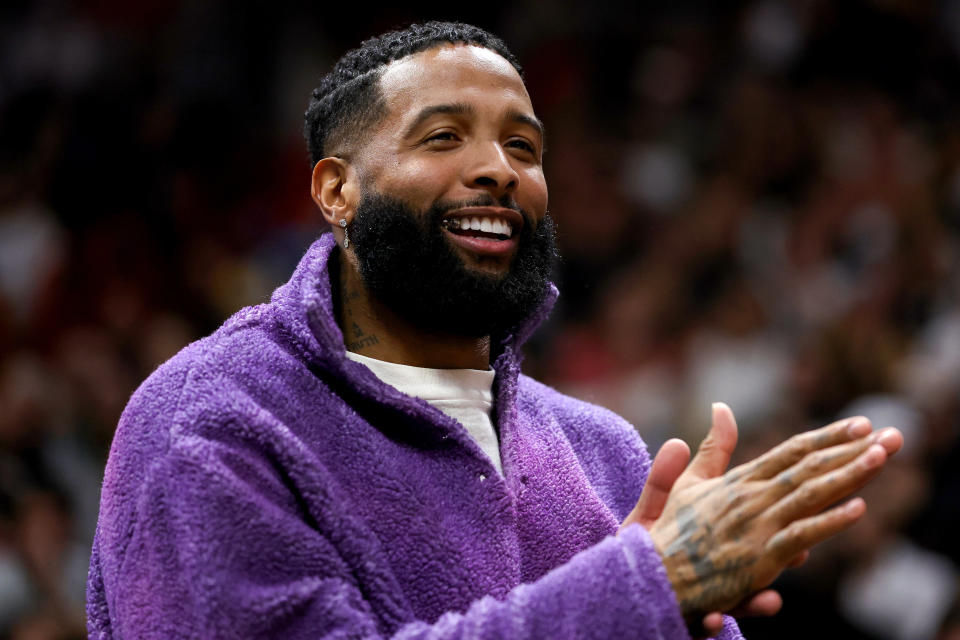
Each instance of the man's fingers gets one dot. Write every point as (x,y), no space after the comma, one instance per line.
(763,604)
(670,462)
(820,462)
(712,624)
(815,494)
(714,453)
(667,466)
(816,464)
(803,534)
(793,450)
(890,439)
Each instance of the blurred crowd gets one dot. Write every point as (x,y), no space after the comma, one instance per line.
(757,202)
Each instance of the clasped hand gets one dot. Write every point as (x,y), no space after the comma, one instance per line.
(725,535)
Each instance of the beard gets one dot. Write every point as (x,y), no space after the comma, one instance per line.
(409,266)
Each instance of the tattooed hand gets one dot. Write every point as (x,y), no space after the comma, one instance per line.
(668,465)
(725,536)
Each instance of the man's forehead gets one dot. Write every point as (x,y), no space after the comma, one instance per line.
(449,67)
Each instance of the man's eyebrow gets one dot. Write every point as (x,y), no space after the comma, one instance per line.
(428,112)
(531,121)
(459,108)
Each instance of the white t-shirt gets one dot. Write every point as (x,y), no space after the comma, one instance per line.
(463,394)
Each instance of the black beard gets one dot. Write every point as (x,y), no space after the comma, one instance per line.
(410,267)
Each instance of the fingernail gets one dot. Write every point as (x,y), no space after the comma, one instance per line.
(887,438)
(854,506)
(859,427)
(875,456)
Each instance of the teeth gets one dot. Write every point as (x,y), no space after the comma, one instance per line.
(487,225)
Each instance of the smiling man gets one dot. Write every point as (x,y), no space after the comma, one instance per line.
(361,456)
(443,197)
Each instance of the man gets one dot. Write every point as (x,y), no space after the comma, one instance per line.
(361,456)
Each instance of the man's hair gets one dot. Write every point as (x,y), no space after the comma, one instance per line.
(348,100)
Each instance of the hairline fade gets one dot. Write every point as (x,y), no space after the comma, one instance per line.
(348,102)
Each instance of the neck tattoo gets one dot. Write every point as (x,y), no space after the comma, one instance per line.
(355,338)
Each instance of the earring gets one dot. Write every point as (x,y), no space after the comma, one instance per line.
(346,234)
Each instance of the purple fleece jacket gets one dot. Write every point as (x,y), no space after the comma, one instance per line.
(262,485)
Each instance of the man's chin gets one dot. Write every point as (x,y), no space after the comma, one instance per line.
(494,265)
(494,270)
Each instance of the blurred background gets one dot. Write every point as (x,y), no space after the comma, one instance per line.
(757,202)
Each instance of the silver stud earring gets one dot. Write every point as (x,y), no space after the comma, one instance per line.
(346,234)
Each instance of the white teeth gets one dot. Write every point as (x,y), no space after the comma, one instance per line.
(487,225)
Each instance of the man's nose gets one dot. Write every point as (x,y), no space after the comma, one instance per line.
(492,170)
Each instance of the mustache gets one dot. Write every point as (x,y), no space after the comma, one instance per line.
(483,200)
(441,207)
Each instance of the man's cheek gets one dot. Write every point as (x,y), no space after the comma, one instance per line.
(421,182)
(535,196)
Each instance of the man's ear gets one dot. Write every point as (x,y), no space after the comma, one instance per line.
(335,189)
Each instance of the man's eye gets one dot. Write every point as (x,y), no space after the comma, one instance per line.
(443,136)
(522,144)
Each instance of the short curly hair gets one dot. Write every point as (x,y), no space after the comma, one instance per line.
(348,100)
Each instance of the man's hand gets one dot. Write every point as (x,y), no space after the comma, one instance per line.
(667,466)
(725,537)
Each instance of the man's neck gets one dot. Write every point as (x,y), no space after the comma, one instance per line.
(371,329)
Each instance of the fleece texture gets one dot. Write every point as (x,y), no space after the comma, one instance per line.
(262,485)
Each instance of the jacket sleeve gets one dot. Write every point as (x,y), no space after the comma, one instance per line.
(215,551)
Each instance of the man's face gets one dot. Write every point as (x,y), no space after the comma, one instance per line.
(459,147)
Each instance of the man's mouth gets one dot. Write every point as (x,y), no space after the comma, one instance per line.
(479,227)
(484,231)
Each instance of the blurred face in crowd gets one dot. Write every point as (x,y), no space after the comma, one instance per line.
(451,230)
